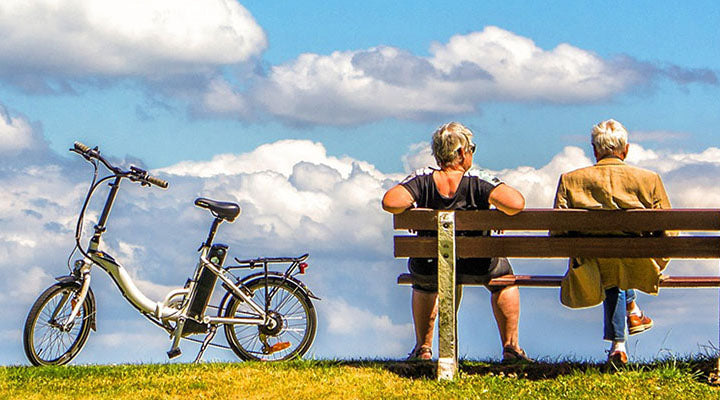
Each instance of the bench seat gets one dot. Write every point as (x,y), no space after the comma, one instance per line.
(554,281)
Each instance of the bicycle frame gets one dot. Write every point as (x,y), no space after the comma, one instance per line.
(164,311)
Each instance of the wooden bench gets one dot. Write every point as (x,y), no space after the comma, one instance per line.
(695,242)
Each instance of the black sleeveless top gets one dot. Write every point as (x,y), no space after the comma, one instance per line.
(473,193)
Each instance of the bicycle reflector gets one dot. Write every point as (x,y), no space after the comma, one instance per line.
(302,267)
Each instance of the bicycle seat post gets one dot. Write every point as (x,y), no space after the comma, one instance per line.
(213,229)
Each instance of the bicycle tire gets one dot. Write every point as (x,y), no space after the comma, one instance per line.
(294,313)
(44,340)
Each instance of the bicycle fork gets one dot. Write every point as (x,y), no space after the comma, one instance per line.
(84,271)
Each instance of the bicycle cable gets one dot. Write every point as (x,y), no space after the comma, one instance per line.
(80,217)
(94,184)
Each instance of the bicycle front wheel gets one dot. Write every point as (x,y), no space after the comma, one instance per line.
(49,337)
(294,322)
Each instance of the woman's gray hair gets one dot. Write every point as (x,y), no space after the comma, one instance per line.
(609,137)
(447,140)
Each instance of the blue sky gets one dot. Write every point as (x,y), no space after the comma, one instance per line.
(304,114)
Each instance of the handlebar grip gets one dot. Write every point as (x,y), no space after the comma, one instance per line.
(81,147)
(157,182)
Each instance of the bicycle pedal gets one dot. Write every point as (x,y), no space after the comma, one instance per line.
(172,353)
(276,347)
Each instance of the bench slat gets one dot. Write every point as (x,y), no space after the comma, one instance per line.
(566,220)
(562,247)
(554,281)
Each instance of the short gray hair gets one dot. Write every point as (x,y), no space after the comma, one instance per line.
(447,140)
(609,137)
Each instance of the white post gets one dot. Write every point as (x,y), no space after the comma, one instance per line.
(447,324)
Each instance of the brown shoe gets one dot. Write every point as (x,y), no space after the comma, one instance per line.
(510,355)
(638,324)
(617,359)
(422,353)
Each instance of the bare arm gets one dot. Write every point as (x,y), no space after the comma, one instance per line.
(397,200)
(507,199)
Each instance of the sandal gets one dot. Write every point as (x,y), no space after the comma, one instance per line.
(422,353)
(510,355)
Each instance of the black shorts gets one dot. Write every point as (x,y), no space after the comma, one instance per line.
(424,271)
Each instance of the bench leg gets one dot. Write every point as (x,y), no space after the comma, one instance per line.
(714,377)
(447,323)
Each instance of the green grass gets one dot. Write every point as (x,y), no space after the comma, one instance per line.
(365,379)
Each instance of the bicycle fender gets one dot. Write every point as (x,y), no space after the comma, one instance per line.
(261,275)
(72,279)
(292,279)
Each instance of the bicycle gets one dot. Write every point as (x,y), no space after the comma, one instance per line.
(267,315)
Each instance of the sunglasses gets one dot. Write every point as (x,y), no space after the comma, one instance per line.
(471,147)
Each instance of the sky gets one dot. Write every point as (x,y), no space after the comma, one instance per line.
(305,114)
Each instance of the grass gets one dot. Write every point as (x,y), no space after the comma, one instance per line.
(364,379)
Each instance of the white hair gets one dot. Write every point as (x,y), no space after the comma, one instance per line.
(609,137)
(447,140)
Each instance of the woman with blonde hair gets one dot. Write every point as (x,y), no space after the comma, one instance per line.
(454,186)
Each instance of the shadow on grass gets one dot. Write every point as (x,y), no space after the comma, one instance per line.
(700,368)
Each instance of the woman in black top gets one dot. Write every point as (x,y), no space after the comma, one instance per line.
(455,187)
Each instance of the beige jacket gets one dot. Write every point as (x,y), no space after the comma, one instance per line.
(609,185)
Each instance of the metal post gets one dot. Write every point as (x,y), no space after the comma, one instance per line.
(715,375)
(714,378)
(447,324)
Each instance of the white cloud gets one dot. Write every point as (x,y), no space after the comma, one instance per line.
(345,319)
(538,185)
(378,334)
(279,157)
(349,87)
(108,38)
(15,133)
(123,339)
(29,282)
(359,86)
(520,70)
(419,156)
(11,335)
(222,98)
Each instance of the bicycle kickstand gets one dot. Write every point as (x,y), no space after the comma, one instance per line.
(177,334)
(206,342)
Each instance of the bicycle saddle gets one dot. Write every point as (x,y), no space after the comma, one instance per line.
(225,210)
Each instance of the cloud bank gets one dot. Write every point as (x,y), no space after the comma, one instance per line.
(295,198)
(360,86)
(208,54)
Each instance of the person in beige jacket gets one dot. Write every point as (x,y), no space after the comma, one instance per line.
(611,184)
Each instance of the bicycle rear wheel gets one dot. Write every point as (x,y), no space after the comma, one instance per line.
(294,316)
(48,338)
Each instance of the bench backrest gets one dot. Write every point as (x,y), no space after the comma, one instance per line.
(695,241)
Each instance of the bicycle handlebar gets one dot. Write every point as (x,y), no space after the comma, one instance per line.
(157,182)
(81,147)
(135,174)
